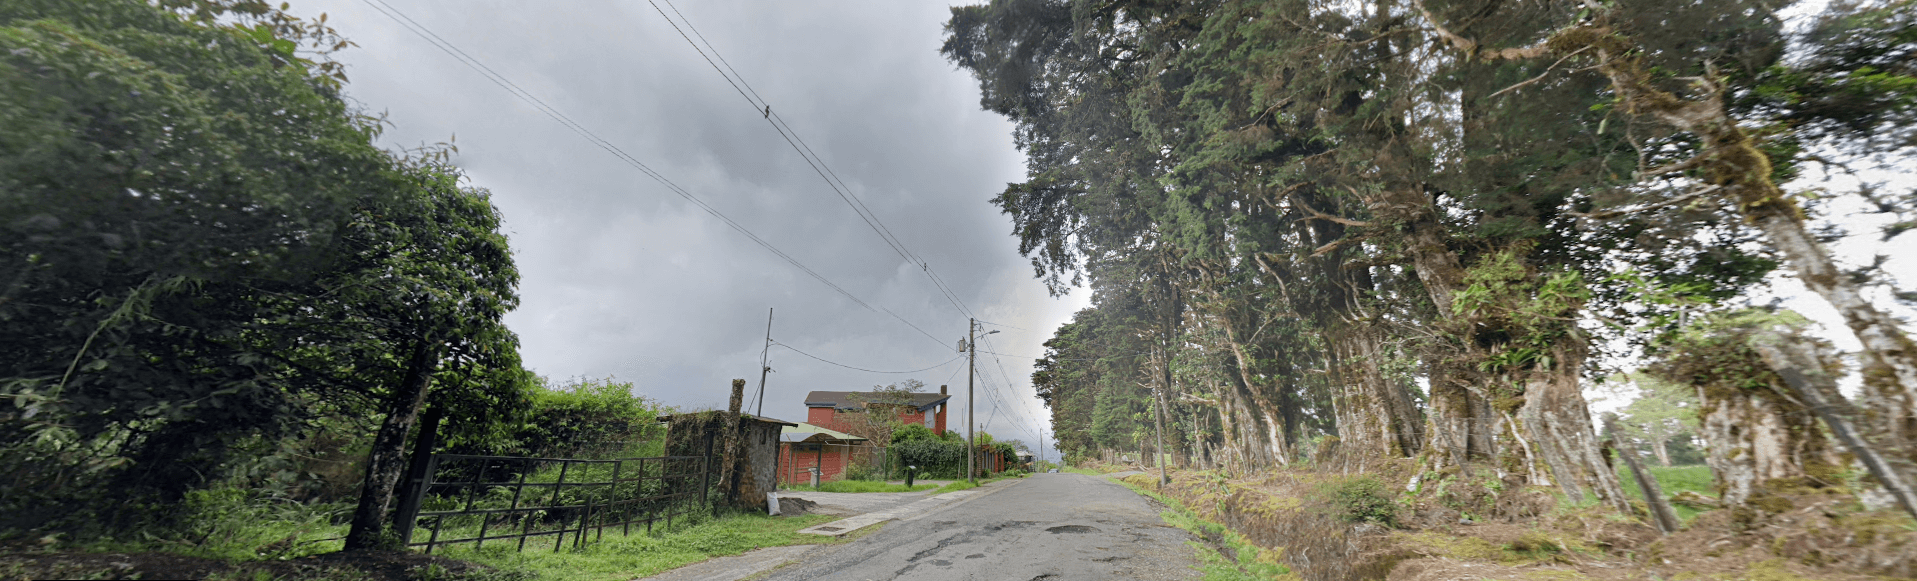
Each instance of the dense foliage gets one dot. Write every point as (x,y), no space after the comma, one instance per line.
(1419,226)
(207,261)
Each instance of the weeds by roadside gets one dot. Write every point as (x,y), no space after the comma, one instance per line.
(1224,555)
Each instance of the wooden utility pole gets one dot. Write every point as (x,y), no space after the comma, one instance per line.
(971,367)
(1158,409)
(763,367)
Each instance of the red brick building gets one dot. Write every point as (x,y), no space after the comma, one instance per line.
(926,409)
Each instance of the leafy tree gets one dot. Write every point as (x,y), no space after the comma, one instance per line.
(207,255)
(1662,413)
(158,178)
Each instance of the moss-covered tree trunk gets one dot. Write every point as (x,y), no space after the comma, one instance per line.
(1757,439)
(1375,415)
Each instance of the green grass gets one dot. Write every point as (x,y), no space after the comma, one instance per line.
(620,558)
(1672,479)
(1254,563)
(956,486)
(863,486)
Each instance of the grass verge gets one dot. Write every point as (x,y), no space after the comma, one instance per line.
(620,558)
(863,486)
(1240,559)
(958,485)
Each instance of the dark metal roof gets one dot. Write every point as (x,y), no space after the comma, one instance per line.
(744,418)
(851,400)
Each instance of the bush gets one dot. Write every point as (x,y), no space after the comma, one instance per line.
(1363,499)
(934,458)
(863,472)
(914,433)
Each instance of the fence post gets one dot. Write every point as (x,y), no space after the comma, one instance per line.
(418,471)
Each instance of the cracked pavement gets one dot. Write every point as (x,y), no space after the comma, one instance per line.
(1057,527)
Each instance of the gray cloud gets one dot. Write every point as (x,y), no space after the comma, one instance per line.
(622,277)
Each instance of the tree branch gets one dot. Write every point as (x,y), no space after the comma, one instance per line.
(1664,204)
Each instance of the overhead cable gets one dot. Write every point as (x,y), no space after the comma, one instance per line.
(504,83)
(796,350)
(804,150)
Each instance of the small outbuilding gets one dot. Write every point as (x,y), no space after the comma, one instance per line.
(757,473)
(806,447)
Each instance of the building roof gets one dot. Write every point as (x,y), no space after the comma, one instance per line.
(744,418)
(853,400)
(804,432)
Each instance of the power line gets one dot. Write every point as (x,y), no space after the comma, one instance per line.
(505,83)
(1003,325)
(804,150)
(1008,384)
(796,350)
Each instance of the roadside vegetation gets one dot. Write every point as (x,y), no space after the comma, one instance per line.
(1359,270)
(624,557)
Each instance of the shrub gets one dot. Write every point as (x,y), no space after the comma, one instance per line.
(1363,499)
(914,433)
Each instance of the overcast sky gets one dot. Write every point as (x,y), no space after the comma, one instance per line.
(621,277)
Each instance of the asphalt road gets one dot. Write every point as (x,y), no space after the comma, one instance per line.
(1056,527)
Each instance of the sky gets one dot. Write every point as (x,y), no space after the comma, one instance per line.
(623,277)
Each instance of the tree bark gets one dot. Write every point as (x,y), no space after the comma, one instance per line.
(1274,428)
(1375,416)
(1753,437)
(1798,365)
(387,459)
(1556,416)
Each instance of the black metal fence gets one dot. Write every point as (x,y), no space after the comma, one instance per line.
(477,499)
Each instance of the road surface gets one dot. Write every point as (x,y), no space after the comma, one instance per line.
(1055,527)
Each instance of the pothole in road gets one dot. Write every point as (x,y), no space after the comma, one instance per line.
(1071,529)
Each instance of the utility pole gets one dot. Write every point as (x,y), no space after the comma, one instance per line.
(971,367)
(1158,410)
(763,351)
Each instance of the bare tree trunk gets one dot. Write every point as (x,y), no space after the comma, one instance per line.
(1661,513)
(1658,449)
(387,458)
